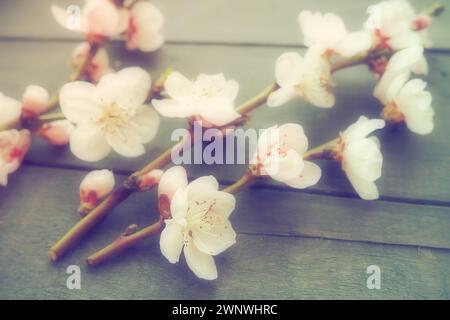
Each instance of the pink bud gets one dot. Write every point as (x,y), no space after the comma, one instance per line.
(95,185)
(421,22)
(173,179)
(150,179)
(56,132)
(14,145)
(35,101)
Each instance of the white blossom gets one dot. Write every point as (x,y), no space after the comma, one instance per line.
(328,32)
(99,19)
(280,156)
(210,98)
(111,115)
(14,145)
(407,101)
(307,77)
(144,27)
(199,223)
(361,157)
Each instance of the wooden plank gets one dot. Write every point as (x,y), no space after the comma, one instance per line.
(259,211)
(292,267)
(220,21)
(413,164)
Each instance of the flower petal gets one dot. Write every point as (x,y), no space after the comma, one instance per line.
(415,103)
(292,137)
(281,96)
(363,158)
(88,143)
(286,168)
(10,111)
(179,205)
(216,239)
(126,141)
(128,88)
(310,176)
(171,241)
(79,101)
(289,69)
(367,190)
(173,179)
(200,263)
(362,128)
(147,121)
(199,185)
(218,111)
(354,43)
(172,108)
(177,86)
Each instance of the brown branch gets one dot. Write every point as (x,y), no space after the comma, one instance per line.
(126,240)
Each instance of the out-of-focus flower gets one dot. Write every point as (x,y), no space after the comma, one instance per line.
(360,156)
(407,101)
(99,65)
(34,101)
(307,77)
(421,24)
(328,32)
(10,110)
(95,185)
(99,19)
(397,25)
(210,98)
(402,62)
(110,115)
(14,145)
(144,27)
(56,132)
(280,156)
(198,221)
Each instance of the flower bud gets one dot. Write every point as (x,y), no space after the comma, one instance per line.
(96,185)
(150,179)
(56,132)
(14,145)
(34,101)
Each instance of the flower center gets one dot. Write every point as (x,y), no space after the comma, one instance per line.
(113,118)
(392,113)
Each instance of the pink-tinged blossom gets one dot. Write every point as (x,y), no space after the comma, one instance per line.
(280,156)
(95,186)
(35,101)
(14,145)
(56,132)
(99,65)
(198,223)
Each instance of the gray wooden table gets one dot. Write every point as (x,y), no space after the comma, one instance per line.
(291,244)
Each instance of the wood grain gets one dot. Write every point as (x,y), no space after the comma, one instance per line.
(259,211)
(269,22)
(413,164)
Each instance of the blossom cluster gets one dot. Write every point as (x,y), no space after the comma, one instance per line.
(115,111)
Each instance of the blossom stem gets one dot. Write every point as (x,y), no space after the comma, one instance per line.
(130,237)
(83,226)
(78,73)
(240,184)
(52,116)
(130,185)
(127,239)
(319,151)
(361,58)
(257,100)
